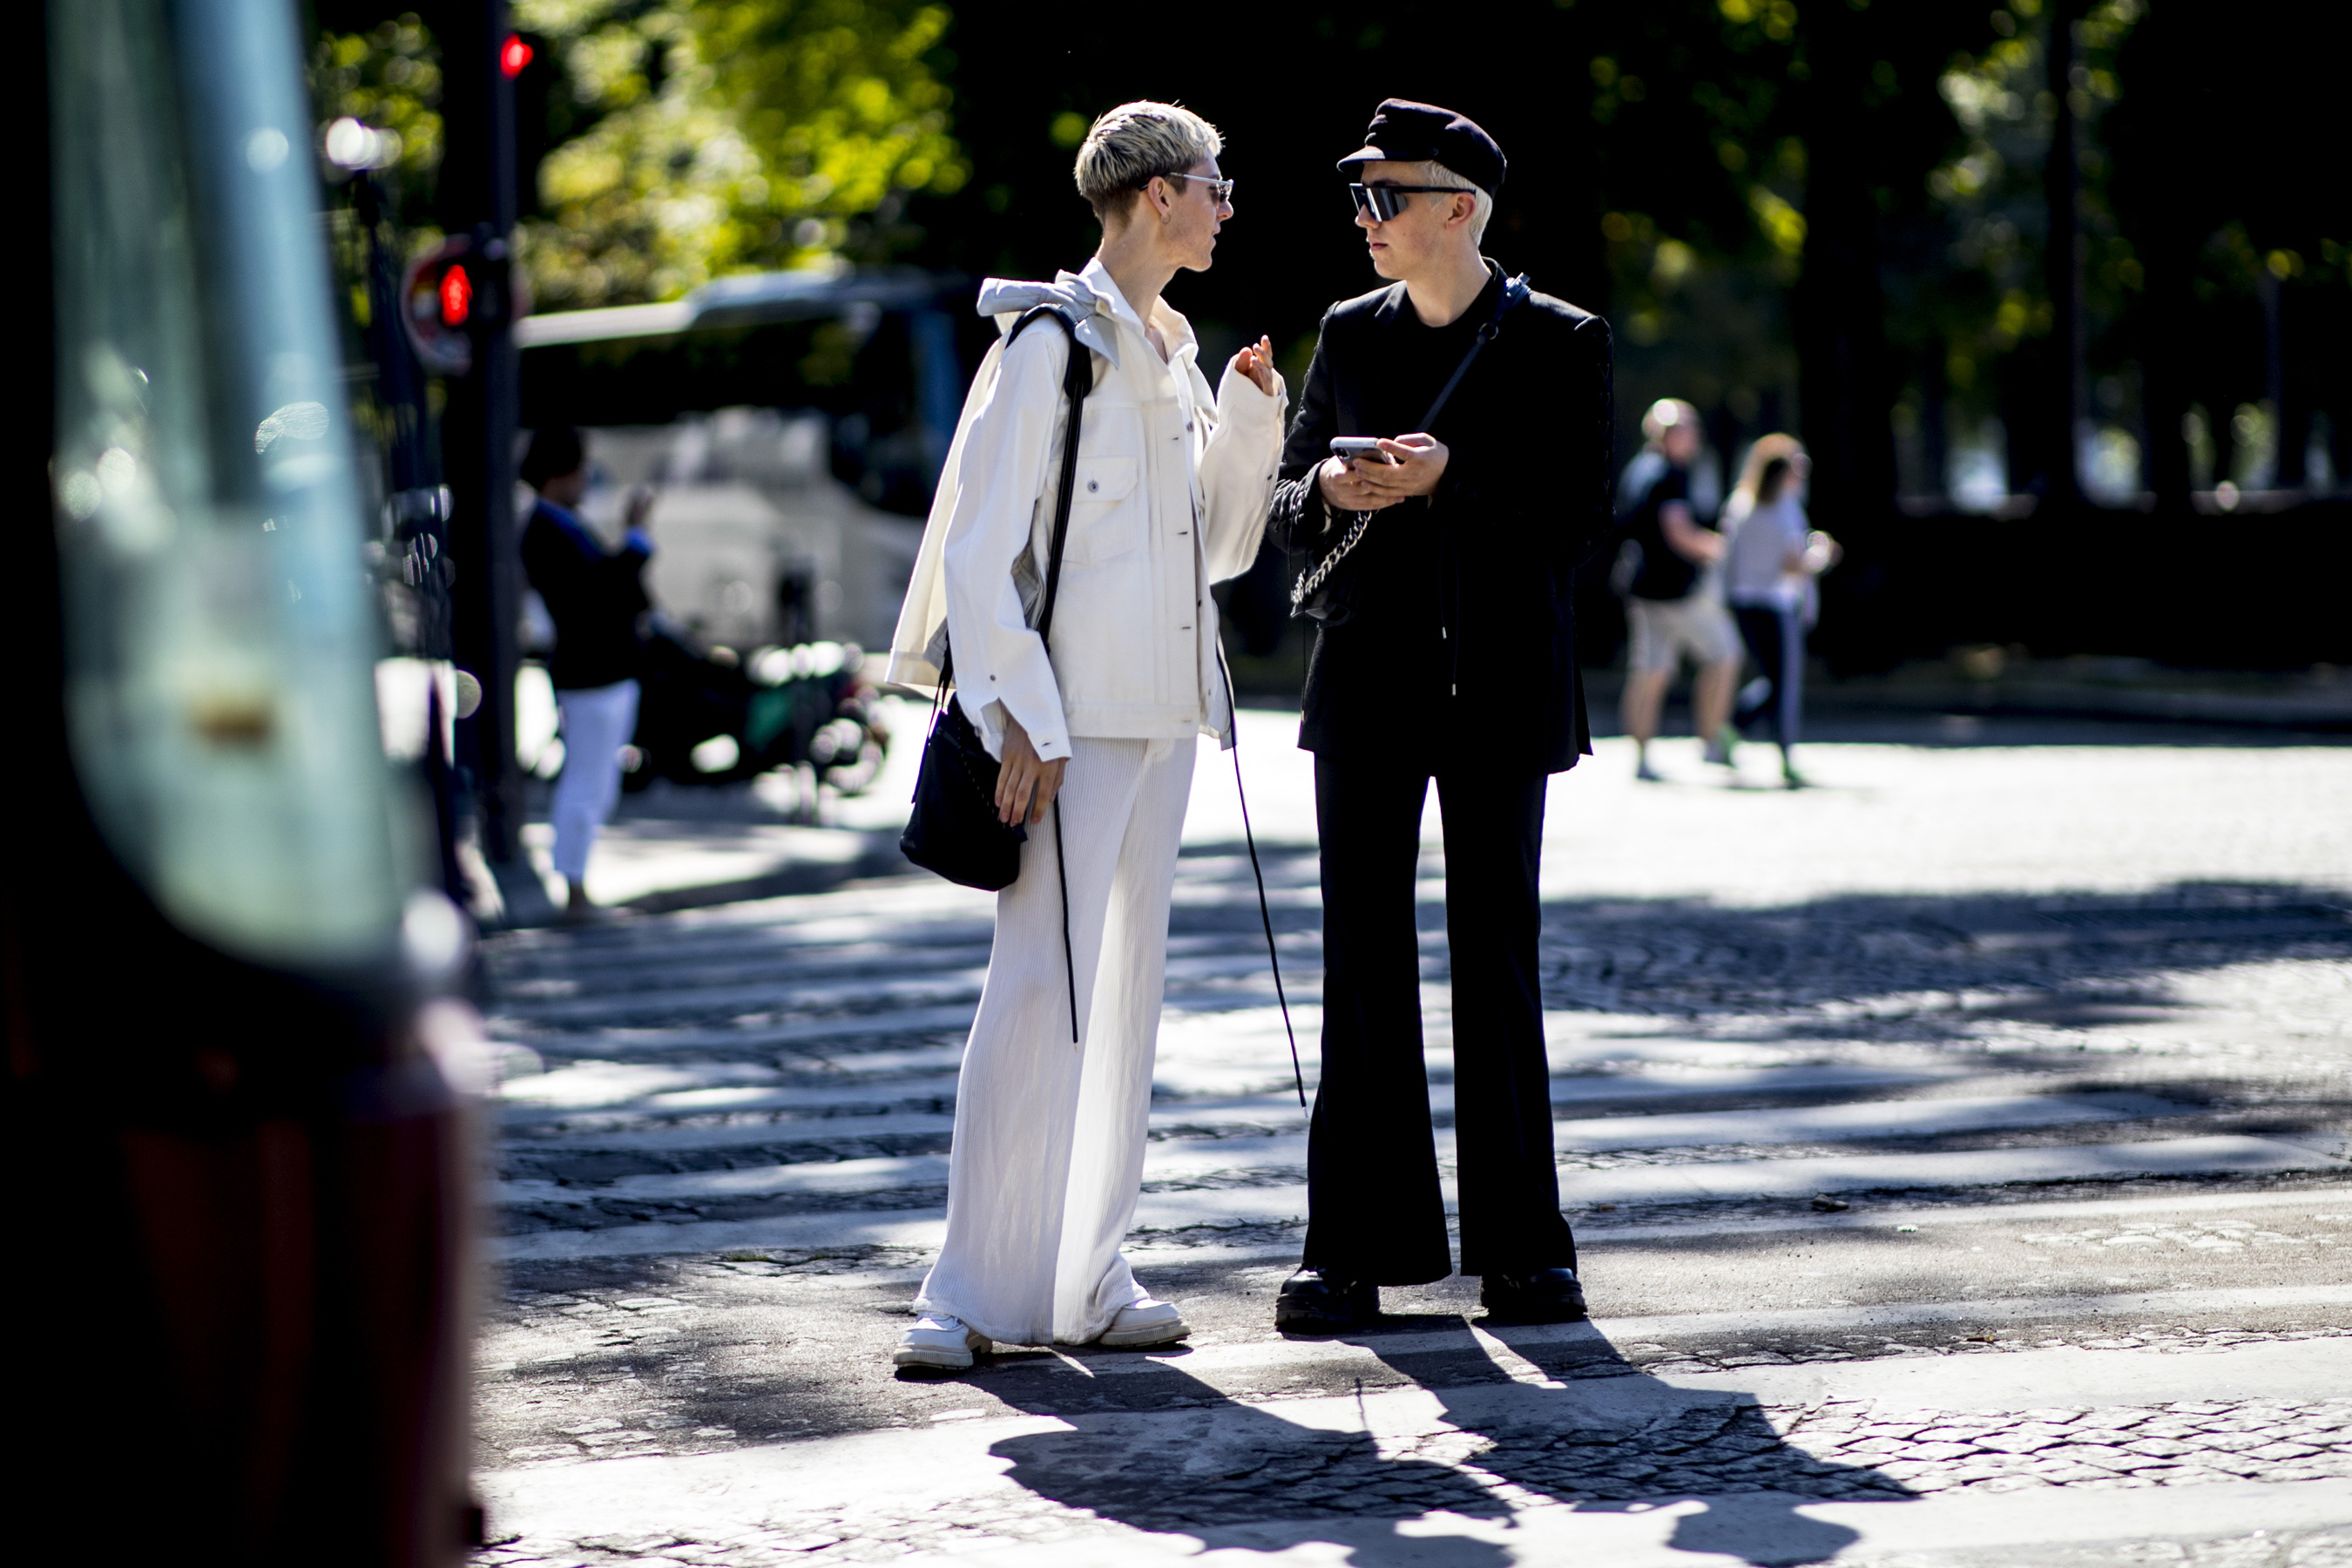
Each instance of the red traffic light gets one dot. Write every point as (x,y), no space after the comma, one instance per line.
(439,307)
(456,297)
(513,54)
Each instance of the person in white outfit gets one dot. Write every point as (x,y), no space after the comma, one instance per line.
(1170,494)
(1771,557)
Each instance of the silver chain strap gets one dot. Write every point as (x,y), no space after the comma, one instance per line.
(1314,580)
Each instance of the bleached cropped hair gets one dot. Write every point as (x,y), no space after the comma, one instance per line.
(1127,146)
(1433,172)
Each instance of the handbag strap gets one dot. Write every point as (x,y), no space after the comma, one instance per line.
(1077,380)
(1514,290)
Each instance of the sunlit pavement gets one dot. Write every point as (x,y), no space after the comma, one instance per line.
(1958,1146)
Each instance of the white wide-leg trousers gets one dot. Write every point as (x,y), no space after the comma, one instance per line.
(1049,1136)
(597,722)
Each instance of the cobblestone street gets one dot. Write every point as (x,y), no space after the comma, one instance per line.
(1959,1151)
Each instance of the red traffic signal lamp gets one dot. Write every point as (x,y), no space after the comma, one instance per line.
(438,305)
(454,293)
(513,56)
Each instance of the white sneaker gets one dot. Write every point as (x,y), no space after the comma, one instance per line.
(1145,1322)
(939,1341)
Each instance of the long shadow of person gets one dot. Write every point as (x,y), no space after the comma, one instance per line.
(1158,1448)
(1597,1435)
(1193,1460)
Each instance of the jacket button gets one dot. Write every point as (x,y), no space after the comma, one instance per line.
(1092,486)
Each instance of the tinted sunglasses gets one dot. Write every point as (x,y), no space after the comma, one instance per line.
(1384,202)
(1220,191)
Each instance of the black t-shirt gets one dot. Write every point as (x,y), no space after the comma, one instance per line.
(1665,573)
(1418,359)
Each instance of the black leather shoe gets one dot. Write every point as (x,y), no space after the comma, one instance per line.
(1544,1295)
(1318,1302)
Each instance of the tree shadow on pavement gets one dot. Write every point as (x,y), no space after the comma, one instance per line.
(1947,964)
(1595,1437)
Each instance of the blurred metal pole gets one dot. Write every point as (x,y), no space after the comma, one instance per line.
(478,426)
(2061,261)
(2288,432)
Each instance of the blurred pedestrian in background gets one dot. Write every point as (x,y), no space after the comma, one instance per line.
(1771,558)
(1672,607)
(595,598)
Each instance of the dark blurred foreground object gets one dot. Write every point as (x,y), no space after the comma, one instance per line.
(238,1165)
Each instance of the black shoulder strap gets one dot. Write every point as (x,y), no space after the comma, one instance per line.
(1515,290)
(1077,382)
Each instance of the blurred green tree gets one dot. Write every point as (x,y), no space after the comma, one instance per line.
(728,135)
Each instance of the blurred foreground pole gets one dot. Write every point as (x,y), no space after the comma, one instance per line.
(238,1174)
(478,426)
(2061,261)
(2165,187)
(1845,381)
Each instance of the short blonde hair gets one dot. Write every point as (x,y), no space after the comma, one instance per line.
(1128,146)
(1430,171)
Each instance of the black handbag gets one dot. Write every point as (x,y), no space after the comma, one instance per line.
(954,828)
(1326,594)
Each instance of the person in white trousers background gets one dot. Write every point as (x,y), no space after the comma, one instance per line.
(1170,494)
(595,598)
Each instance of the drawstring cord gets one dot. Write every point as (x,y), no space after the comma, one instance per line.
(1265,916)
(1069,965)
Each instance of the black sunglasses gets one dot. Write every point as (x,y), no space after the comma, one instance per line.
(1384,202)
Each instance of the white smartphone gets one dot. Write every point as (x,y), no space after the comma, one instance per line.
(1360,449)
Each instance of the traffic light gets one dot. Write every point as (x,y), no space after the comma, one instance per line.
(460,290)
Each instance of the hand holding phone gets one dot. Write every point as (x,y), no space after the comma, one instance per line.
(1343,486)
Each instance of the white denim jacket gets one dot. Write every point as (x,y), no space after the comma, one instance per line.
(1171,492)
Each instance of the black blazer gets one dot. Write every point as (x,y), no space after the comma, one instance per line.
(1463,630)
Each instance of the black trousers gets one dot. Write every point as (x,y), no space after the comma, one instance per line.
(1375,1211)
(1776,640)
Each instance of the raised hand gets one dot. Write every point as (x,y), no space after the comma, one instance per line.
(1256,361)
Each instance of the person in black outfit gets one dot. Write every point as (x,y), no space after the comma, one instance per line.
(595,598)
(1456,661)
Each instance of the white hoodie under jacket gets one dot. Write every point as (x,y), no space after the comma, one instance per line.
(1171,492)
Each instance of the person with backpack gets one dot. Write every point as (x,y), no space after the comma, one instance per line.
(1438,547)
(1169,486)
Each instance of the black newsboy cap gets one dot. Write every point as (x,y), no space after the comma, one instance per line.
(1409,133)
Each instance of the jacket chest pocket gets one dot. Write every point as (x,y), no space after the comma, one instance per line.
(1110,511)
